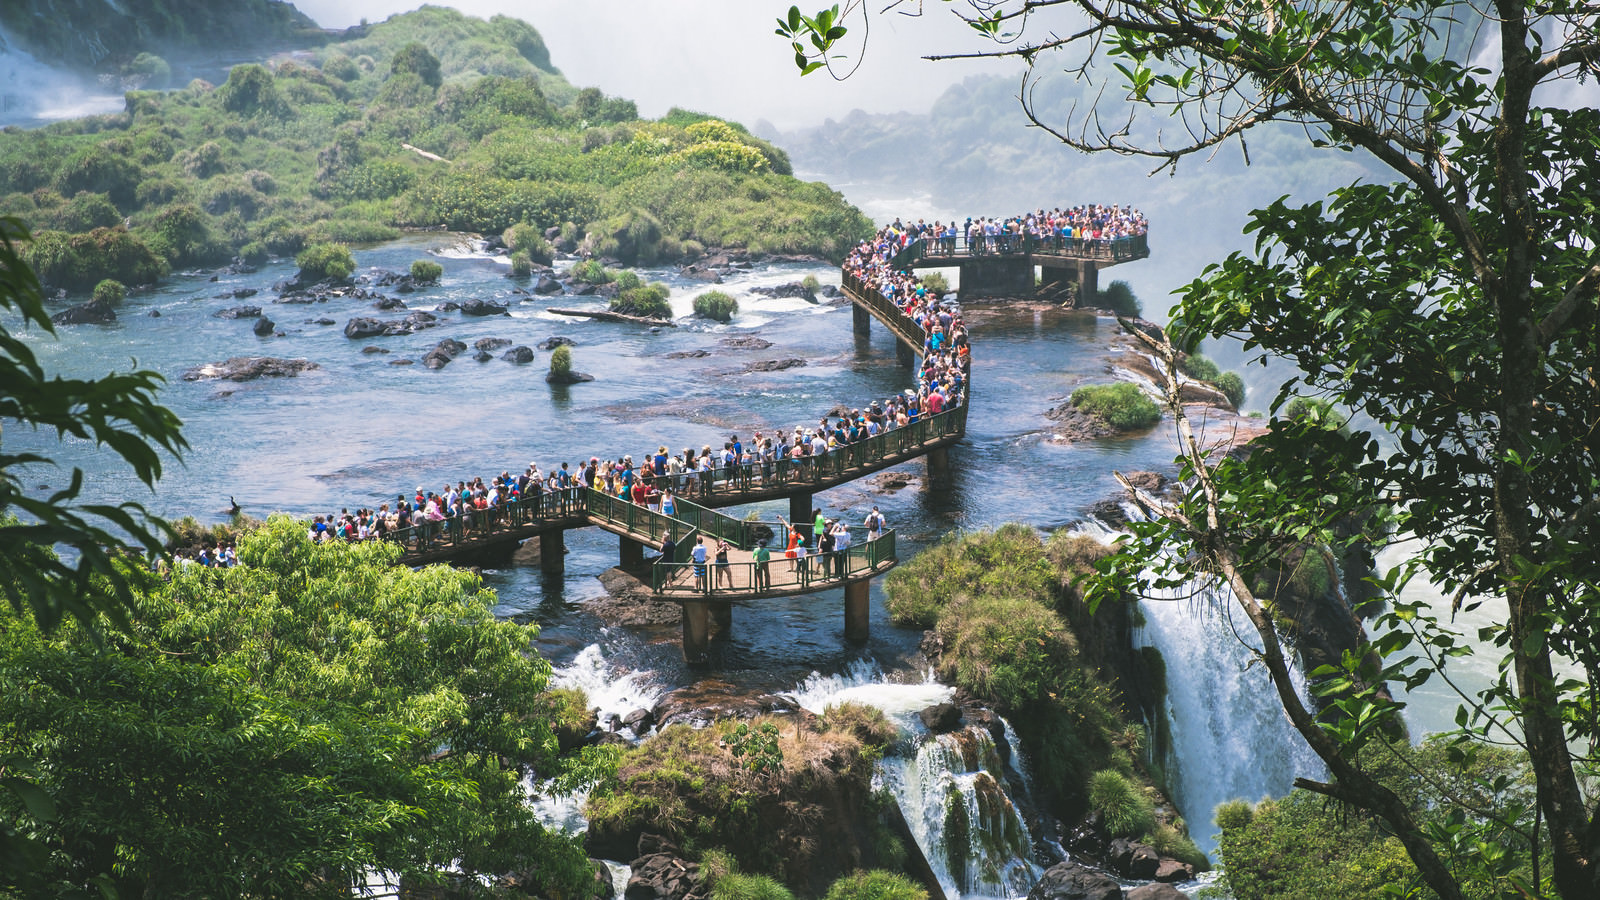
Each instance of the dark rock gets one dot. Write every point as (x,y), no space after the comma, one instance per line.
(651,844)
(443,352)
(583,289)
(1154,482)
(609,738)
(569,378)
(689,354)
(476,307)
(794,290)
(639,721)
(155,313)
(1171,870)
(547,285)
(552,233)
(570,737)
(483,356)
(745,342)
(371,349)
(699,272)
(238,312)
(627,601)
(448,306)
(364,327)
(322,321)
(1132,859)
(1071,881)
(941,718)
(387,303)
(263,327)
(711,699)
(550,343)
(401,362)
(1110,512)
(1073,424)
(243,293)
(773,365)
(519,355)
(95,312)
(490,343)
(412,323)
(663,876)
(249,368)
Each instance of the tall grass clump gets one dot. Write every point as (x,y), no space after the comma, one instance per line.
(426,271)
(561,361)
(716,305)
(325,260)
(592,271)
(648,300)
(1124,809)
(876,884)
(1122,405)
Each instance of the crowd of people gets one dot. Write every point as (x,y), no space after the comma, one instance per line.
(1079,227)
(659,479)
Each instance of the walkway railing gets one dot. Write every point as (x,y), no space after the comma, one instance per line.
(422,537)
(1135,246)
(779,575)
(635,519)
(904,327)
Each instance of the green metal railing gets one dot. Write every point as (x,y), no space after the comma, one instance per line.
(905,328)
(781,573)
(421,537)
(1135,246)
(635,519)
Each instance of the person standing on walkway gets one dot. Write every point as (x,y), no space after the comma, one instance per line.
(724,570)
(875,524)
(825,549)
(763,577)
(818,527)
(698,557)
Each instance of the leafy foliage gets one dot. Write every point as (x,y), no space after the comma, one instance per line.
(1122,405)
(109,292)
(1125,811)
(1119,297)
(426,271)
(646,300)
(280,724)
(561,361)
(875,884)
(716,305)
(325,260)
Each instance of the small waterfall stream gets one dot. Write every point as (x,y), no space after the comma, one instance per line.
(1228,737)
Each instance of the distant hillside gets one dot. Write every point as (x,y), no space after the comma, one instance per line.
(430,119)
(974,154)
(107,35)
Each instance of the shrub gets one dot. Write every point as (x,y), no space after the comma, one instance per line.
(253,253)
(251,90)
(340,66)
(1123,808)
(524,238)
(80,261)
(1198,367)
(1231,384)
(203,161)
(86,212)
(715,305)
(1234,814)
(415,58)
(867,724)
(521,264)
(649,300)
(734,886)
(592,271)
(626,279)
(875,885)
(1169,840)
(810,285)
(936,283)
(1122,405)
(110,291)
(1120,299)
(426,271)
(561,361)
(325,261)
(151,70)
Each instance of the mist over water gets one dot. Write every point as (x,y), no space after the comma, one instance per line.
(33,93)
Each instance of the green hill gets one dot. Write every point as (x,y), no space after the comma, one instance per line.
(429,119)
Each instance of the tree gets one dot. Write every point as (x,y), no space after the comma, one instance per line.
(1456,308)
(283,727)
(416,59)
(118,412)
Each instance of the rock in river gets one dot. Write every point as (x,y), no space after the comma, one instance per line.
(249,368)
(519,355)
(95,312)
(476,307)
(441,354)
(1072,881)
(238,312)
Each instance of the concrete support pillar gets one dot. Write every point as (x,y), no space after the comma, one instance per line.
(553,551)
(722,614)
(861,319)
(906,355)
(696,631)
(938,469)
(630,553)
(857,609)
(1088,282)
(800,514)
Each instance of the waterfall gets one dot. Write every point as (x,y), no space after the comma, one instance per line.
(952,788)
(611,688)
(1228,737)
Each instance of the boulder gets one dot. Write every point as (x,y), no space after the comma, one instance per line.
(249,368)
(745,342)
(412,323)
(476,307)
(1073,881)
(490,344)
(639,721)
(941,718)
(1156,892)
(238,312)
(372,349)
(773,365)
(1171,870)
(689,354)
(569,378)
(155,313)
(483,356)
(322,321)
(263,327)
(387,303)
(519,355)
(664,876)
(794,290)
(550,343)
(364,327)
(1132,859)
(443,352)
(95,312)
(547,285)
(697,272)
(401,362)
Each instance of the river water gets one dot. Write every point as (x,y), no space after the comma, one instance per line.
(358,430)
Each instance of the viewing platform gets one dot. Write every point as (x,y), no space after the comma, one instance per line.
(1004,265)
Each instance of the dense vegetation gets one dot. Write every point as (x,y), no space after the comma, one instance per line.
(297,153)
(288,724)
(1122,405)
(1000,603)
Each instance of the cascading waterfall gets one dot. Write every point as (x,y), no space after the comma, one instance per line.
(1228,737)
(950,787)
